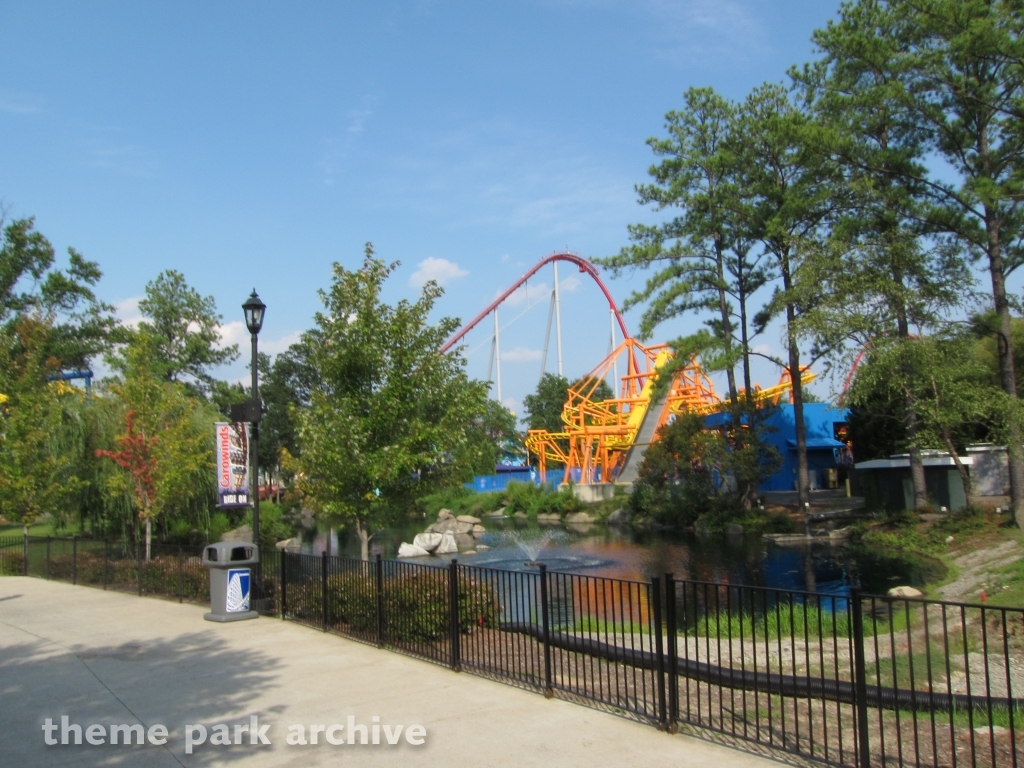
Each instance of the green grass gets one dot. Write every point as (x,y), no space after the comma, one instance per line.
(895,672)
(790,621)
(604,627)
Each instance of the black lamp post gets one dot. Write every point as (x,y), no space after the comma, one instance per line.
(254,311)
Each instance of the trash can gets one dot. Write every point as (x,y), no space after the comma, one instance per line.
(230,580)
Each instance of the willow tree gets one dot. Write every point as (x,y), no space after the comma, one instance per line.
(37,471)
(388,414)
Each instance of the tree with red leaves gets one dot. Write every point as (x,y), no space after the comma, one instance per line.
(136,456)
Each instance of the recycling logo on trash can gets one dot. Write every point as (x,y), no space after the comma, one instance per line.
(238,590)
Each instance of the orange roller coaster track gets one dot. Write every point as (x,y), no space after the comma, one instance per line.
(605,440)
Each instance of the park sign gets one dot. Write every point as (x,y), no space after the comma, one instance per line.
(232,453)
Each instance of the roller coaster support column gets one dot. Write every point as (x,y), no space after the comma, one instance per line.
(547,337)
(497,352)
(558,319)
(611,348)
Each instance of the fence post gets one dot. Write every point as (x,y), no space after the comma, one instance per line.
(323,586)
(48,557)
(860,679)
(380,602)
(138,564)
(106,560)
(74,559)
(181,563)
(659,649)
(453,610)
(24,551)
(284,583)
(548,689)
(673,654)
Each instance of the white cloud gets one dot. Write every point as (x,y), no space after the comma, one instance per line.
(17,107)
(569,284)
(277,346)
(513,404)
(535,292)
(438,270)
(357,118)
(235,332)
(128,312)
(520,355)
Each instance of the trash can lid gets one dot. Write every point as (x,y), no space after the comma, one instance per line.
(227,553)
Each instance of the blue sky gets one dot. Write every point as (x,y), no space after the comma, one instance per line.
(256,143)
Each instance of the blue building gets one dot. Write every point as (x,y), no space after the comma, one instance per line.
(828,450)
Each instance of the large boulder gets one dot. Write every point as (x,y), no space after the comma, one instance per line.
(547,518)
(448,546)
(618,517)
(411,550)
(427,541)
(463,527)
(465,542)
(468,519)
(242,533)
(578,517)
(289,545)
(496,513)
(479,530)
(905,592)
(444,514)
(449,525)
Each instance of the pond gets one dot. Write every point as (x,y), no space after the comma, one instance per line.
(628,553)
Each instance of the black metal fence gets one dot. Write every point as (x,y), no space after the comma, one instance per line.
(850,680)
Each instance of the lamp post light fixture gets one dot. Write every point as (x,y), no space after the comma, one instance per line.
(254,311)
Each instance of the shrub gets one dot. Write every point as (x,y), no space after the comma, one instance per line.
(416,605)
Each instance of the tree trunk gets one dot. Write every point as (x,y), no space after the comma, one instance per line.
(965,475)
(803,484)
(745,341)
(149,537)
(917,475)
(364,540)
(916,464)
(723,309)
(1007,375)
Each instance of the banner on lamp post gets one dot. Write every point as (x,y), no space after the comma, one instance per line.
(232,453)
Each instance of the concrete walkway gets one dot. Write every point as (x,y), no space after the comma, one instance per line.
(106,658)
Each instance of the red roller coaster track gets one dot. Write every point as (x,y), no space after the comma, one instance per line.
(584,266)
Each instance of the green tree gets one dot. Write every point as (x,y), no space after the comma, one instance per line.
(36,467)
(77,325)
(183,331)
(676,480)
(544,407)
(960,78)
(701,256)
(492,438)
(788,193)
(388,416)
(166,449)
(881,277)
(950,385)
(285,387)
